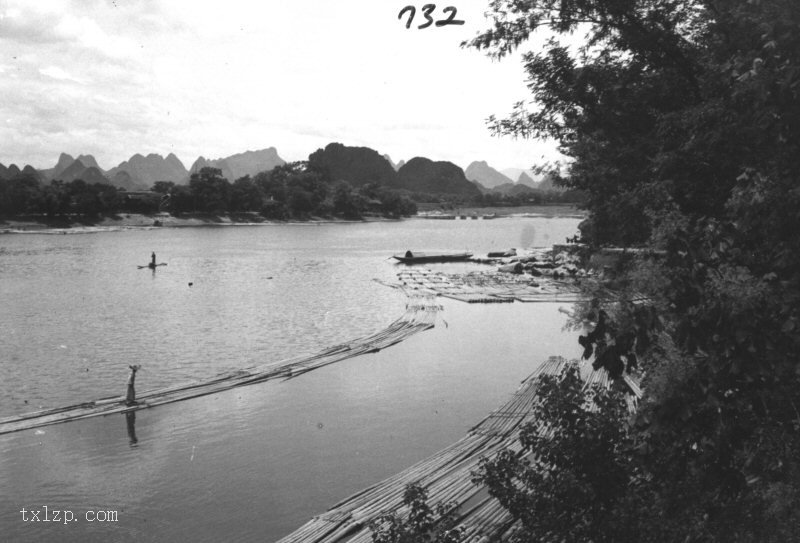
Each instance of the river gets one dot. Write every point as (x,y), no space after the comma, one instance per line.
(256,462)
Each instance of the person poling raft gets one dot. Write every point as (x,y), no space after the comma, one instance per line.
(153,264)
(130,397)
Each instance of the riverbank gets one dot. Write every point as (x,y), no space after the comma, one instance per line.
(38,223)
(541,210)
(158,220)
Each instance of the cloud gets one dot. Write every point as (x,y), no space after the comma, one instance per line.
(86,32)
(59,73)
(112,78)
(26,26)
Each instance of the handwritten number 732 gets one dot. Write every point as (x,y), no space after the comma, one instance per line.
(427,9)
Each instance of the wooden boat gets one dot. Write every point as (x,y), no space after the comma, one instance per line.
(439,216)
(502,254)
(419,258)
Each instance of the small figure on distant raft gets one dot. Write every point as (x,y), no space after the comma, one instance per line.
(409,254)
(152,264)
(130,398)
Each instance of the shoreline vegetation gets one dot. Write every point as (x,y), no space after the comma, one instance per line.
(43,223)
(293,192)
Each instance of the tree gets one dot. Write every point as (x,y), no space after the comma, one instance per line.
(245,195)
(575,468)
(423,524)
(396,205)
(20,195)
(162,187)
(181,199)
(345,202)
(680,120)
(211,191)
(55,200)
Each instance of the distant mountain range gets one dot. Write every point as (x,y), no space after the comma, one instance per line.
(141,172)
(146,170)
(13,171)
(355,165)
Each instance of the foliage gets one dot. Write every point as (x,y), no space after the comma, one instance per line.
(345,202)
(20,195)
(163,187)
(245,195)
(290,191)
(422,524)
(528,197)
(211,191)
(681,121)
(570,477)
(25,195)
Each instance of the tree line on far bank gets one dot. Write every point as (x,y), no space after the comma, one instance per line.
(294,191)
(289,192)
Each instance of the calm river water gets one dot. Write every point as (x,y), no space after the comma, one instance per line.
(252,463)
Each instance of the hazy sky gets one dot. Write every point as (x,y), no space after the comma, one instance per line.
(116,77)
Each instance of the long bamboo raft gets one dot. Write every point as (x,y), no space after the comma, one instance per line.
(446,475)
(420,315)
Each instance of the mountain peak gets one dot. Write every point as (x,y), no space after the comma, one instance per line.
(88,161)
(424,175)
(65,158)
(356,165)
(484,174)
(527,180)
(242,164)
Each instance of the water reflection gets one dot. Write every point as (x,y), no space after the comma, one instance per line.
(527,235)
(130,422)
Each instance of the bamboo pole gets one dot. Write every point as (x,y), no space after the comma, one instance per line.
(418,317)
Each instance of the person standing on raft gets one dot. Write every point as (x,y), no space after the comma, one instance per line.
(130,398)
(153,260)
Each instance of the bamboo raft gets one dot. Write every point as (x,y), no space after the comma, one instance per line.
(420,315)
(490,287)
(447,475)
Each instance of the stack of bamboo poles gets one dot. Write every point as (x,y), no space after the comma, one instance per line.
(490,287)
(447,475)
(420,315)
